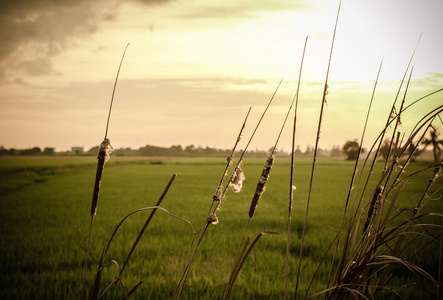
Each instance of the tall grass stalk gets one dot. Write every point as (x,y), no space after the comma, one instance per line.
(291,176)
(240,256)
(103,156)
(219,197)
(351,185)
(384,278)
(440,268)
(377,191)
(151,215)
(391,117)
(216,197)
(383,191)
(325,92)
(353,276)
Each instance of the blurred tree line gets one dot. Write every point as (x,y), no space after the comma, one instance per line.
(348,151)
(31,151)
(175,150)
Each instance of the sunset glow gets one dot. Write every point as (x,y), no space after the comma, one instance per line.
(193,68)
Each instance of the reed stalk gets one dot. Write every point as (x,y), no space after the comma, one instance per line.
(325,92)
(378,192)
(354,173)
(291,176)
(103,156)
(376,241)
(260,189)
(218,197)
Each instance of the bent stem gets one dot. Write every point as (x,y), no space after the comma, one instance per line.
(96,285)
(241,260)
(151,215)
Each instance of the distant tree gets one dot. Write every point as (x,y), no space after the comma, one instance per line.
(384,149)
(32,151)
(350,149)
(297,151)
(13,151)
(434,142)
(308,150)
(175,150)
(93,150)
(414,151)
(336,151)
(48,151)
(123,152)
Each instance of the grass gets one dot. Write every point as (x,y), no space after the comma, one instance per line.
(44,226)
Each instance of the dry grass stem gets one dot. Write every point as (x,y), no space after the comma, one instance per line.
(325,92)
(103,156)
(291,177)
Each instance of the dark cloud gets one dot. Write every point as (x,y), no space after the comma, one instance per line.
(152,2)
(38,67)
(33,31)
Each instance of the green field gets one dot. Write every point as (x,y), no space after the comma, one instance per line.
(44,213)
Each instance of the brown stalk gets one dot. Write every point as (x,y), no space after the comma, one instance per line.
(383,277)
(386,174)
(103,156)
(325,92)
(390,119)
(351,187)
(260,189)
(241,260)
(218,197)
(440,266)
(151,215)
(291,176)
(380,201)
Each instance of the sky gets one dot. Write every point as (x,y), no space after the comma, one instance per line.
(194,67)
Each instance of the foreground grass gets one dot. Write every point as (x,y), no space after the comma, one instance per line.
(44,215)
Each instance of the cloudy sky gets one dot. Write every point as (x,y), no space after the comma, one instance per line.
(194,67)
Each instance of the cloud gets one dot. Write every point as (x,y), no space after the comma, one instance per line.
(32,32)
(152,2)
(38,67)
(242,9)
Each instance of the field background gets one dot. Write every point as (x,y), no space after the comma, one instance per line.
(44,221)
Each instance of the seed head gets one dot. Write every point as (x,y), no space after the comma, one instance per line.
(237,179)
(217,196)
(105,150)
(261,184)
(213,219)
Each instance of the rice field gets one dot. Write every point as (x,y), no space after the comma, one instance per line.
(45,218)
